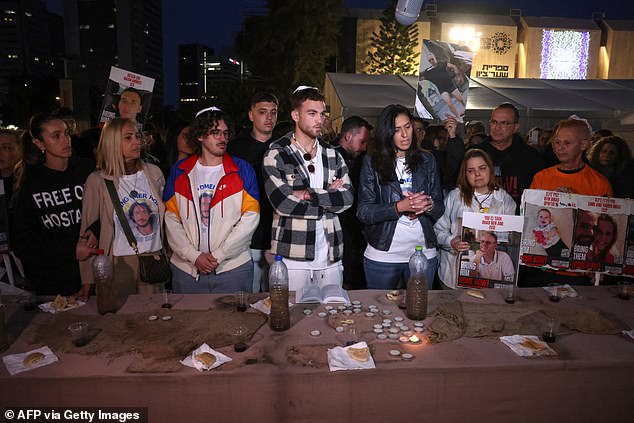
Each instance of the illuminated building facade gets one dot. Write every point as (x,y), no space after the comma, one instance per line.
(510,46)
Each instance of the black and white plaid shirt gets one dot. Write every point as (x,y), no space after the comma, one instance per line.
(294,220)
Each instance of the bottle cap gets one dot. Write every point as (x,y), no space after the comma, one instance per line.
(278,257)
(419,248)
(100,251)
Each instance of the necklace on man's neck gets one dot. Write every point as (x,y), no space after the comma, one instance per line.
(482,209)
(307,156)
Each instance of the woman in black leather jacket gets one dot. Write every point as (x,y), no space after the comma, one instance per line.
(400,199)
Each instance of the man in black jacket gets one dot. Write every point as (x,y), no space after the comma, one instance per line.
(353,141)
(515,162)
(250,145)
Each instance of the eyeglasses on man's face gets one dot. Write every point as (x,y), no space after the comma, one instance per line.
(217,133)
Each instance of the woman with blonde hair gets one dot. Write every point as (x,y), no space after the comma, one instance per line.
(476,192)
(136,183)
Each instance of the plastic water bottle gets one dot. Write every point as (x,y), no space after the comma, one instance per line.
(417,286)
(279,319)
(103,276)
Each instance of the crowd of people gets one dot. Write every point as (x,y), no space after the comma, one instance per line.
(349,211)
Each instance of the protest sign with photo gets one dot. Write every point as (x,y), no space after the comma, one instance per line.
(128,95)
(578,232)
(493,257)
(443,82)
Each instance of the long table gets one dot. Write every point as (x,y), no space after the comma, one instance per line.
(468,379)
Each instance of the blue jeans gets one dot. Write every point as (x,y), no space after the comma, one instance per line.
(387,275)
(238,279)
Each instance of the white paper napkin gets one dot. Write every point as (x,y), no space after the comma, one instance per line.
(261,306)
(517,343)
(190,360)
(339,359)
(564,291)
(14,362)
(629,333)
(48,307)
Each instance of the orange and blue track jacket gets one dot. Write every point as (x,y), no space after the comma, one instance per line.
(234,215)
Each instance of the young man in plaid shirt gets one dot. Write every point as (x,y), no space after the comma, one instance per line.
(307,183)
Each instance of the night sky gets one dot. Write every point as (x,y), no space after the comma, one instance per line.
(215,23)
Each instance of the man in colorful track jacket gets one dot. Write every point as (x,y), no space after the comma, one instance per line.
(211,212)
(307,183)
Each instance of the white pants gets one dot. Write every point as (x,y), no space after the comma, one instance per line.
(298,278)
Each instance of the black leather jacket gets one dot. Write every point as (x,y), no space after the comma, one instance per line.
(377,203)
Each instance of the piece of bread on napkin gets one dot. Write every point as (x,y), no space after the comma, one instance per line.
(359,354)
(529,343)
(32,359)
(59,303)
(206,358)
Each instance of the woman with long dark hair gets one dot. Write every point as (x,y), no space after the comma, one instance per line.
(400,198)
(47,214)
(476,192)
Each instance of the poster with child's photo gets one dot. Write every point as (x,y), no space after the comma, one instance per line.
(594,228)
(547,238)
(493,258)
(127,95)
(443,82)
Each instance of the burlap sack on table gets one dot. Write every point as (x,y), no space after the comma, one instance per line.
(159,344)
(453,319)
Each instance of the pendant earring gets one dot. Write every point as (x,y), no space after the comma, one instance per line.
(43,152)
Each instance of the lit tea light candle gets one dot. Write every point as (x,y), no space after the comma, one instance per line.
(414,339)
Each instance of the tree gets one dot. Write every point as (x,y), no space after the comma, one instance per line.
(292,44)
(394,46)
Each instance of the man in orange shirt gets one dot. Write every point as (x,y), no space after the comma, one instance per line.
(572,174)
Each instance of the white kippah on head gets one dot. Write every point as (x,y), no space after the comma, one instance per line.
(208,109)
(304,87)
